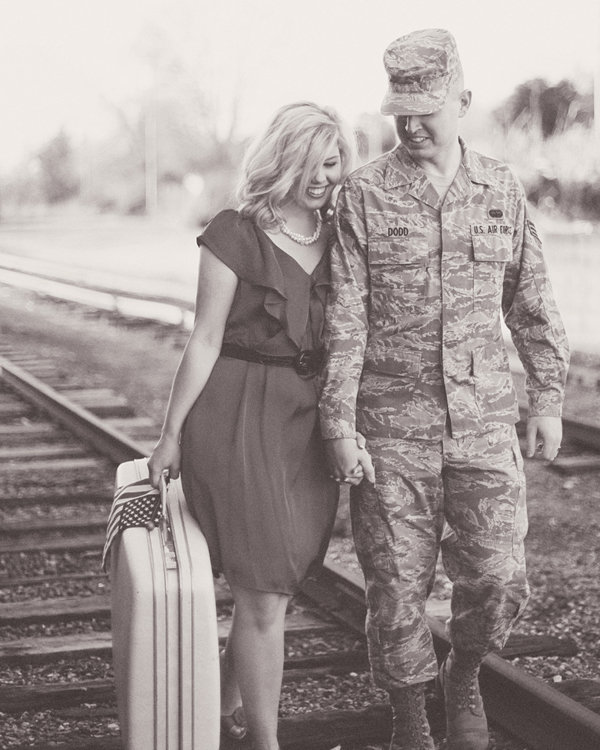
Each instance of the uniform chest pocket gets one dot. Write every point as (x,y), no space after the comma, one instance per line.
(492,248)
(398,270)
(490,256)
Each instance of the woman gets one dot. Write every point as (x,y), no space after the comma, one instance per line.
(242,417)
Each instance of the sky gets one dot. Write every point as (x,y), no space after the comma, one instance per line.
(73,64)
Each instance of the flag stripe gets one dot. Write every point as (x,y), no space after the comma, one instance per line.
(134,505)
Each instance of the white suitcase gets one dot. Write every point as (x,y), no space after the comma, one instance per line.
(164,630)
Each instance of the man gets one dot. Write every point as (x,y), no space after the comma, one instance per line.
(434,247)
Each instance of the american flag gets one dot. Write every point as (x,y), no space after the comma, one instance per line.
(136,504)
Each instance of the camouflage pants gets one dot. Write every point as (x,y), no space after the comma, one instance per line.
(477,485)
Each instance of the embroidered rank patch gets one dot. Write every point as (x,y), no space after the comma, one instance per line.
(532,230)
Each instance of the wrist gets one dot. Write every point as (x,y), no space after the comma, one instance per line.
(170,435)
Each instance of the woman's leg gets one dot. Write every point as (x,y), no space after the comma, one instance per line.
(255,646)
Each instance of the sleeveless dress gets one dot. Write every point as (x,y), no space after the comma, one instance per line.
(253,466)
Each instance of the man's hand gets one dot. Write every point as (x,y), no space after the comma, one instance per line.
(544,433)
(349,463)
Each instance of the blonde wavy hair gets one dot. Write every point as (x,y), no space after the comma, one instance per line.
(284,159)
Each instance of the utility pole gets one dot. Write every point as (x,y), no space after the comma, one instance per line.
(151,144)
(596,75)
(151,157)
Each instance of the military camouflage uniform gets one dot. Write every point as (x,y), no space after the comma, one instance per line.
(417,363)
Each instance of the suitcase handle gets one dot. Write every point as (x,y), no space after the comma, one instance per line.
(168,546)
(164,478)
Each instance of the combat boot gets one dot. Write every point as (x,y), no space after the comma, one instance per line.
(466,723)
(410,727)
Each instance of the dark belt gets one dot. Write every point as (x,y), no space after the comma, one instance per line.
(307,362)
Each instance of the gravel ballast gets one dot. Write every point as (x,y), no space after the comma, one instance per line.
(563,545)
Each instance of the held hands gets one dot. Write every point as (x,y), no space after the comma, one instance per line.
(544,434)
(165,456)
(349,460)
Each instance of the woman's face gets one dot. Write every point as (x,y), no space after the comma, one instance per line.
(322,183)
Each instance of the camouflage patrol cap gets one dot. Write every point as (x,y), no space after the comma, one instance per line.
(421,67)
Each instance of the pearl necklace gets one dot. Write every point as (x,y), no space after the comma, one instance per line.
(301,239)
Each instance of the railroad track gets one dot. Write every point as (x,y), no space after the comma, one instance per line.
(60,443)
(24,273)
(176,315)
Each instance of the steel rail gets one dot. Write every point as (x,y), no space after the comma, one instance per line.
(116,294)
(583,432)
(525,706)
(109,442)
(528,708)
(586,433)
(127,304)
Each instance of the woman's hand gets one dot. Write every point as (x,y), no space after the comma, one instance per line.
(350,463)
(166,456)
(364,458)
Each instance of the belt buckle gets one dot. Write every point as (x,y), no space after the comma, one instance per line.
(305,363)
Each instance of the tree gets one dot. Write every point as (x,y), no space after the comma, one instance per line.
(58,175)
(374,135)
(549,110)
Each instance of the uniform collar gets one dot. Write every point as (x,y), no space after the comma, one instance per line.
(401,169)
(474,167)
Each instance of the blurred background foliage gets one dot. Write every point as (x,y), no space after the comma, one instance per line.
(175,150)
(547,133)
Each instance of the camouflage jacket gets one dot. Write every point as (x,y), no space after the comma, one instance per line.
(419,290)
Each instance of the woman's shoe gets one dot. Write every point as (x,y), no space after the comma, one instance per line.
(233,725)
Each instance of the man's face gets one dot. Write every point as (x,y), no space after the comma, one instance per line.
(429,138)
